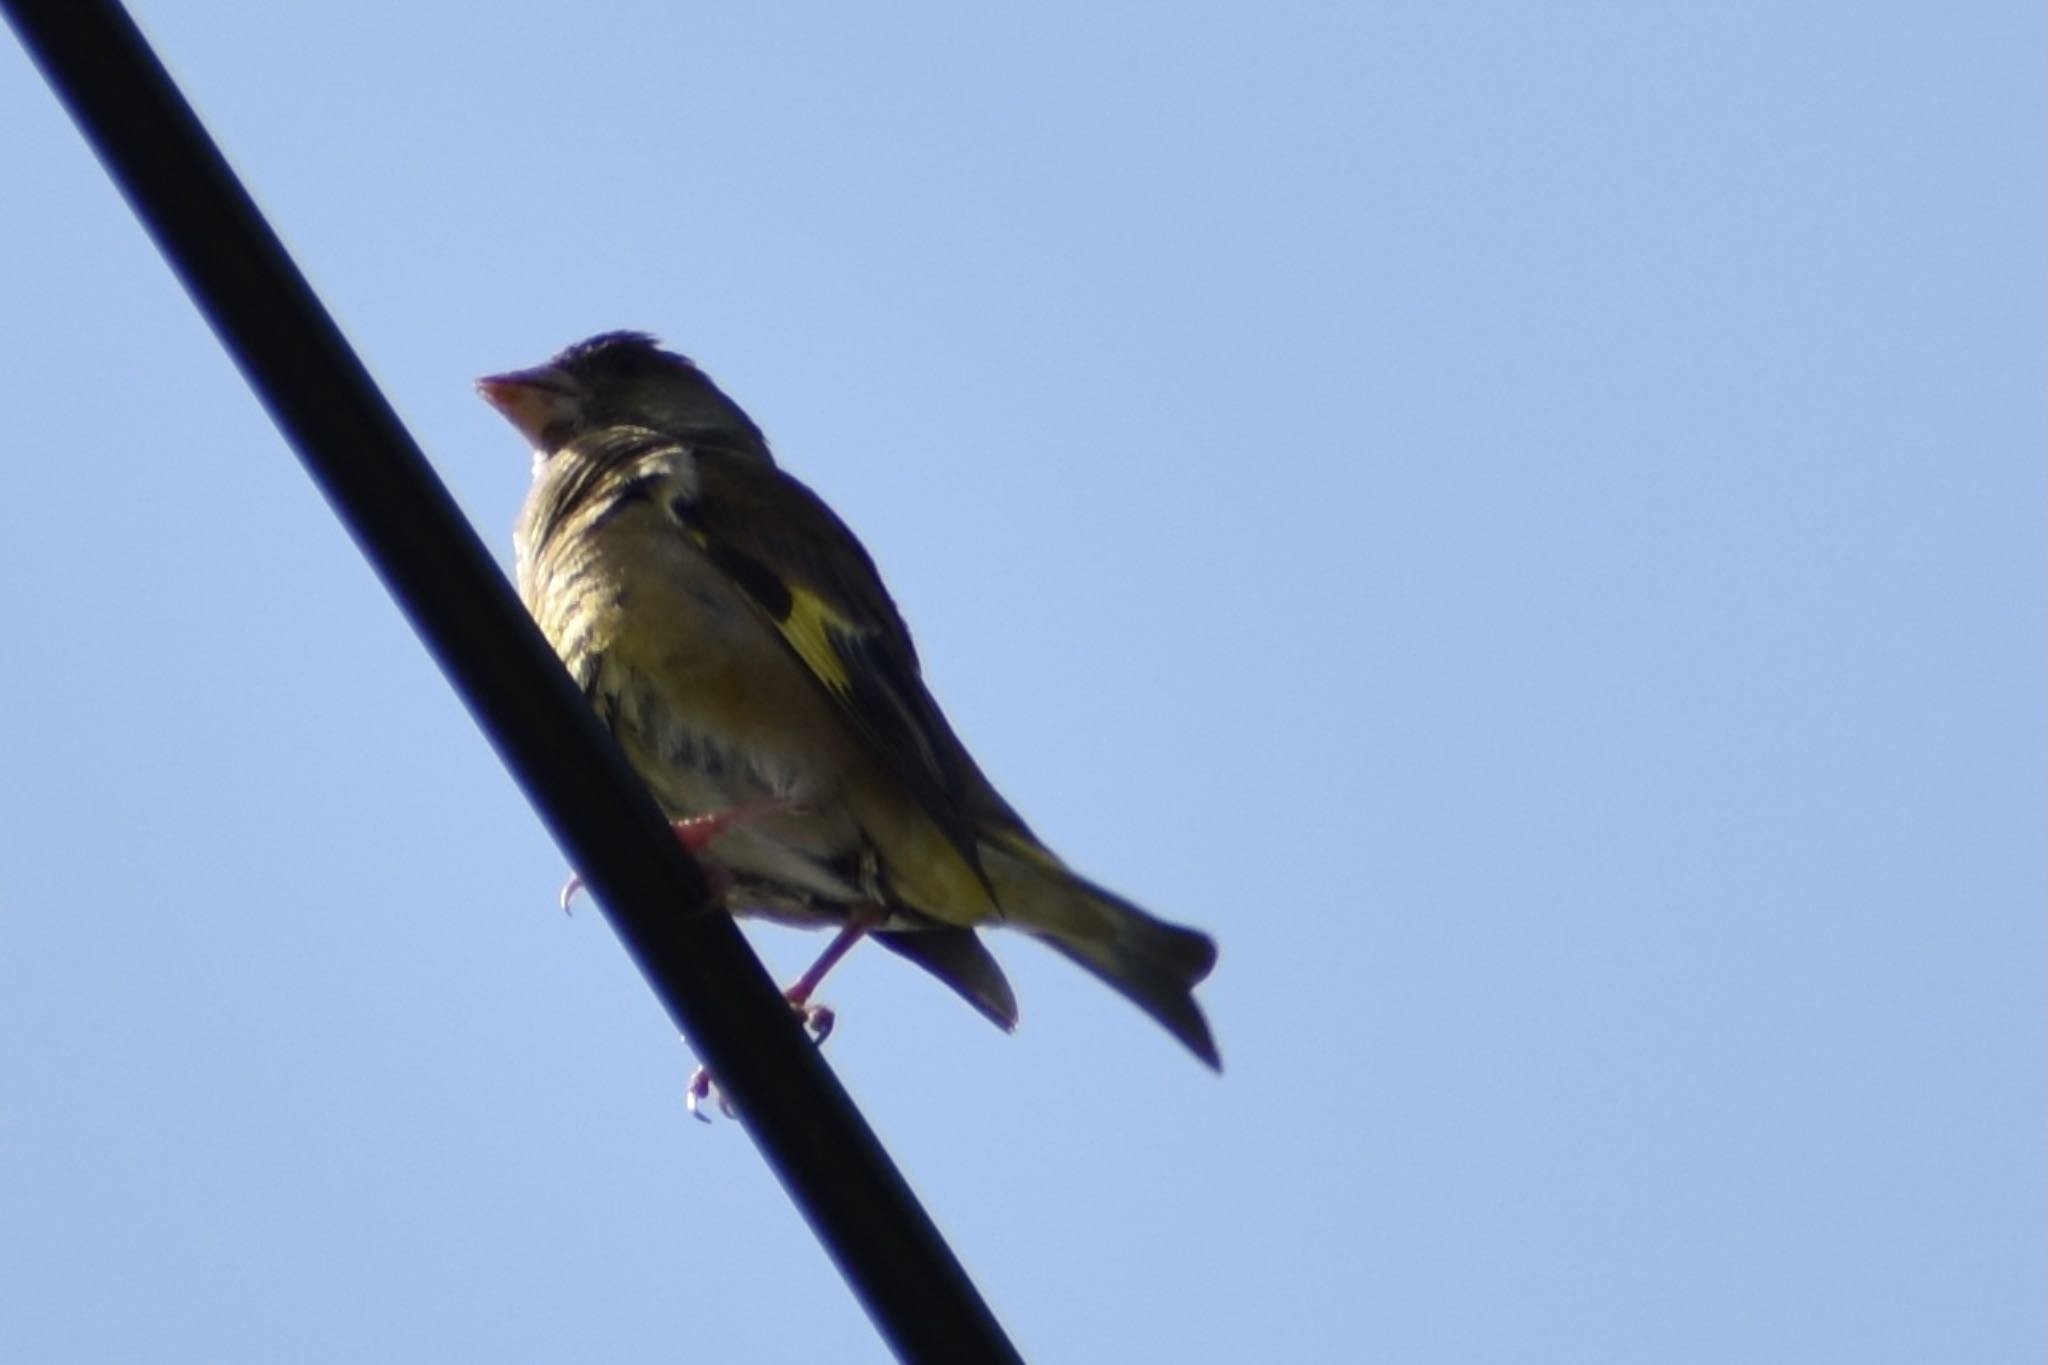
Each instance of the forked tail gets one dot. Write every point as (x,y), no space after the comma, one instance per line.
(1154,964)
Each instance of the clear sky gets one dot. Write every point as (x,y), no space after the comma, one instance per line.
(1524,521)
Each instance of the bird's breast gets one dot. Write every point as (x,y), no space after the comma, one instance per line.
(710,707)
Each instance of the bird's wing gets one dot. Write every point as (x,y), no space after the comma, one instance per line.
(796,560)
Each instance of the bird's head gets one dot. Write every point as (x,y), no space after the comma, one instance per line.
(620,379)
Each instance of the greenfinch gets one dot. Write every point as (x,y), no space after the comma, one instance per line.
(738,642)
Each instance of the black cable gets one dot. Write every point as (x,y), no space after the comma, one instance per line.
(407,525)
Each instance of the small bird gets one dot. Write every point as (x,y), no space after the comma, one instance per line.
(739,644)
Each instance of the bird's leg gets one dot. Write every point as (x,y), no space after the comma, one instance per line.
(817,1019)
(695,833)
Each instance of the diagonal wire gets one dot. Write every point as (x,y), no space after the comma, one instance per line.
(407,525)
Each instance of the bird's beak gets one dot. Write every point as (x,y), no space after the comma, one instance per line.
(543,403)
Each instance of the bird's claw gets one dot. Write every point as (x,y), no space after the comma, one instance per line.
(702,1088)
(818,1021)
(716,879)
(695,833)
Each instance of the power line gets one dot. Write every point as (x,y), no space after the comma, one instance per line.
(408,527)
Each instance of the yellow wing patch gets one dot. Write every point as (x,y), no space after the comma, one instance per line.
(870,672)
(809,628)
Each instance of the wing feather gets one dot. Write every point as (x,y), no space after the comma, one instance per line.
(799,564)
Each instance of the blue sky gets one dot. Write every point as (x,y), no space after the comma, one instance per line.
(1525,522)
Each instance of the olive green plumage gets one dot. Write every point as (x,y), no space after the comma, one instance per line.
(738,642)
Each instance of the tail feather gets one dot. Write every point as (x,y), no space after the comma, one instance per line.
(1161,994)
(1155,965)
(958,958)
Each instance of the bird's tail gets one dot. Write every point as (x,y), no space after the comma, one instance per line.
(1154,964)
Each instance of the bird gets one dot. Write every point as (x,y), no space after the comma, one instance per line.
(738,642)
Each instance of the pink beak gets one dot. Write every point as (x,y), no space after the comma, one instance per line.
(534,401)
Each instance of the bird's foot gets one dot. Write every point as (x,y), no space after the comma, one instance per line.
(702,1088)
(716,878)
(818,1022)
(695,833)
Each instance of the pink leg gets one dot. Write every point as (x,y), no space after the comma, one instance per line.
(695,833)
(857,926)
(818,1019)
